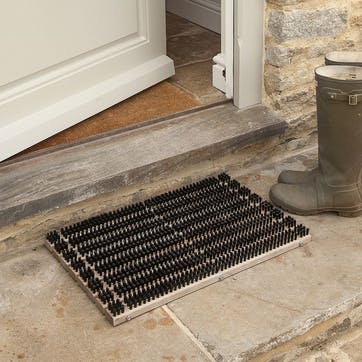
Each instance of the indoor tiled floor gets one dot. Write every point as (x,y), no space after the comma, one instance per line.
(188,43)
(192,49)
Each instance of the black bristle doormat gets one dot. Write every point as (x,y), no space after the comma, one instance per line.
(134,259)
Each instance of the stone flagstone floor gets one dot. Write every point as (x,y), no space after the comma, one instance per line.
(45,316)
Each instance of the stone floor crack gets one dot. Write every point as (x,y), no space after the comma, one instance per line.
(188,333)
(279,305)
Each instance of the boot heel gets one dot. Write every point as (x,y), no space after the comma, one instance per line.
(350,213)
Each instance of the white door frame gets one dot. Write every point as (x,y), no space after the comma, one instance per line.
(248,52)
(238,71)
(223,70)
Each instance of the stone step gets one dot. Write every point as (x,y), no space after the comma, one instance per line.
(67,176)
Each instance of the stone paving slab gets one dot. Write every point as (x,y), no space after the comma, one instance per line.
(45,316)
(284,297)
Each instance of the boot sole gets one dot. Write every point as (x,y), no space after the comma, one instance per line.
(350,213)
(343,213)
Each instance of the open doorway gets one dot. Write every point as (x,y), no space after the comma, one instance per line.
(59,99)
(192,48)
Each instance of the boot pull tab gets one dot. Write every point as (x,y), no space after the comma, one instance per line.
(352,98)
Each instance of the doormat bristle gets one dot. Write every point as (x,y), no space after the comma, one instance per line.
(142,256)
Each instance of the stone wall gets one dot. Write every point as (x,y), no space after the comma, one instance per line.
(298,34)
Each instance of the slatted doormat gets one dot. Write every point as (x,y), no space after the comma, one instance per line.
(142,256)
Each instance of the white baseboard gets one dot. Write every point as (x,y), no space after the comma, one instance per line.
(206,13)
(64,107)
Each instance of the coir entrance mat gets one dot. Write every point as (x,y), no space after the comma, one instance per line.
(142,256)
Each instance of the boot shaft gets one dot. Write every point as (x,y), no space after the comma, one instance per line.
(339,111)
(344,58)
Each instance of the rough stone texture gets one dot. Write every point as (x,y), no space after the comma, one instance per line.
(78,173)
(341,342)
(296,24)
(298,35)
(45,316)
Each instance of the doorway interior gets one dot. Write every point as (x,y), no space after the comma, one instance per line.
(192,48)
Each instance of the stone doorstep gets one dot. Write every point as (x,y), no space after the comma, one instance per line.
(82,171)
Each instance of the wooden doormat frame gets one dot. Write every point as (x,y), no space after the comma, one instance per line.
(213,206)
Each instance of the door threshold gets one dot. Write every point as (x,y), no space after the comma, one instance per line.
(114,132)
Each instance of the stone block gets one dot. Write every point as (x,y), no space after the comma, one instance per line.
(307,24)
(277,81)
(277,56)
(285,2)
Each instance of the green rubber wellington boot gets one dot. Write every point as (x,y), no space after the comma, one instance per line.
(336,184)
(333,58)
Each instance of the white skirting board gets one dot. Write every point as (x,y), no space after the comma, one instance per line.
(206,13)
